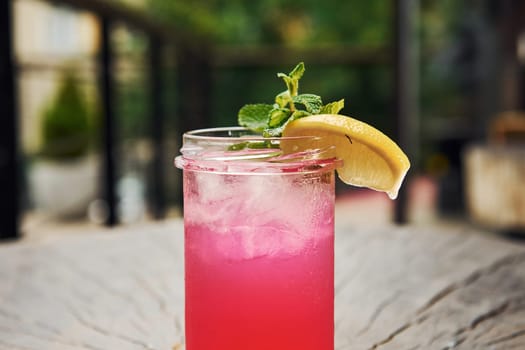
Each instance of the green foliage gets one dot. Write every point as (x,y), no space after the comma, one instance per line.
(288,22)
(132,108)
(197,17)
(65,125)
(440,23)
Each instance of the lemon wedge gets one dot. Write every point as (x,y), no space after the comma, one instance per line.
(370,158)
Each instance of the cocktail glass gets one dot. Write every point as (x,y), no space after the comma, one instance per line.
(259,242)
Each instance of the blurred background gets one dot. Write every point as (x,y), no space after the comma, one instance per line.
(96,95)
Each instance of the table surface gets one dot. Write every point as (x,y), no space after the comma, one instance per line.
(407,287)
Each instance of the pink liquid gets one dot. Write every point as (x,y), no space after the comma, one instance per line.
(259,263)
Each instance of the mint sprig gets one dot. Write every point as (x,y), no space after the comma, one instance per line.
(250,116)
(271,119)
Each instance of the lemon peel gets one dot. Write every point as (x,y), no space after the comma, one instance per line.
(370,158)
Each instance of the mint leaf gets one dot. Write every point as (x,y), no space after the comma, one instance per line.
(255,116)
(238,146)
(270,120)
(277,131)
(292,79)
(333,107)
(311,102)
(283,99)
(298,71)
(253,145)
(291,84)
(298,114)
(278,116)
(273,132)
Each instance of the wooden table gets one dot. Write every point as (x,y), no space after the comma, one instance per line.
(396,288)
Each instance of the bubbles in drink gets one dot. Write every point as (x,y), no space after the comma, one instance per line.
(259,215)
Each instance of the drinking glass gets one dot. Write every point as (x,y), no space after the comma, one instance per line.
(259,241)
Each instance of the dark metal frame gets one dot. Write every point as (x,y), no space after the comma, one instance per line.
(158,199)
(9,166)
(403,94)
(107,91)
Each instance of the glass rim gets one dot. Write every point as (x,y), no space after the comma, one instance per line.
(206,134)
(210,150)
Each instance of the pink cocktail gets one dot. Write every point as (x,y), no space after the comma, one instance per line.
(259,247)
